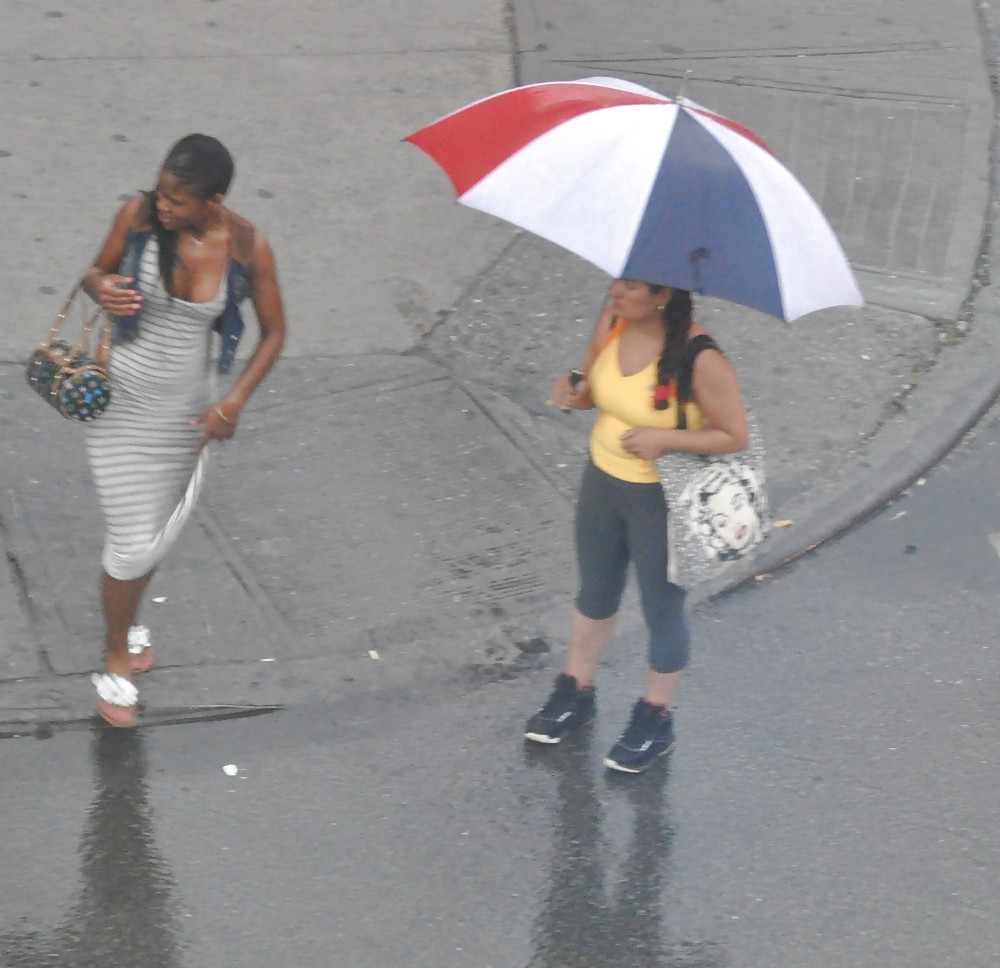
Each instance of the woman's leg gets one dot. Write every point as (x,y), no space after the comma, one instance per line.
(603,562)
(602,559)
(588,639)
(120,600)
(661,686)
(650,730)
(662,602)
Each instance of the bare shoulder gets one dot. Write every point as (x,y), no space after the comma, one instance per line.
(714,350)
(134,213)
(128,218)
(711,364)
(249,242)
(239,223)
(605,323)
(598,341)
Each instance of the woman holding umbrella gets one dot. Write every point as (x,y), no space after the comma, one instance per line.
(684,197)
(644,340)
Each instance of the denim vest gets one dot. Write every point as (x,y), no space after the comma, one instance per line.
(229,325)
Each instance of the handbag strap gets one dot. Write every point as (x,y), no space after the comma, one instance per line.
(685,375)
(63,313)
(102,353)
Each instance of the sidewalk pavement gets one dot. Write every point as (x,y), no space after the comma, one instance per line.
(396,507)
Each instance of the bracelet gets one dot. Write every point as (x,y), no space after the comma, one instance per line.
(218,410)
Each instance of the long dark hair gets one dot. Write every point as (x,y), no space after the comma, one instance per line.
(678,316)
(204,167)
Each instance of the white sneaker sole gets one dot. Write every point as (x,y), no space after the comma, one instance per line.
(542,738)
(612,765)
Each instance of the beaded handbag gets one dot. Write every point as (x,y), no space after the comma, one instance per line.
(77,384)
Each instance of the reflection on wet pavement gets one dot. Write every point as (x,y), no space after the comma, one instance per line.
(596,913)
(122,915)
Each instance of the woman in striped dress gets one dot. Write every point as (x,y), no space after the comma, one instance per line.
(187,260)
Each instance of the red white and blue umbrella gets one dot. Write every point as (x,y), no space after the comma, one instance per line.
(646,187)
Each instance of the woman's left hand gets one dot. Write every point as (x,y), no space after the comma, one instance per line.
(218,422)
(644,442)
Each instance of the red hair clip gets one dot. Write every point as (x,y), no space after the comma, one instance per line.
(663,395)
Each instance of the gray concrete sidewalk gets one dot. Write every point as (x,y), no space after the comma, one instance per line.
(399,498)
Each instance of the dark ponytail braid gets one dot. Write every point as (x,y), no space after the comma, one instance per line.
(677,314)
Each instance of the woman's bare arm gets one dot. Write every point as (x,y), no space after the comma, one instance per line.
(269,308)
(564,395)
(114,293)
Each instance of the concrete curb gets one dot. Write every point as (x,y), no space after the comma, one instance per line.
(928,444)
(960,393)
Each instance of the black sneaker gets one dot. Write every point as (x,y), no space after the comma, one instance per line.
(649,734)
(567,707)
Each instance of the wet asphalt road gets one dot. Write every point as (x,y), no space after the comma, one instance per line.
(832,802)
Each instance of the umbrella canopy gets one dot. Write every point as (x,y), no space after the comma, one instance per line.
(646,187)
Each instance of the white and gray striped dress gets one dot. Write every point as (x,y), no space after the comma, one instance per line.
(143,450)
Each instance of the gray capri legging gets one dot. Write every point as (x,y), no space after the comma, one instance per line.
(618,521)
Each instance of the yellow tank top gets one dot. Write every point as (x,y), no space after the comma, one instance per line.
(624,402)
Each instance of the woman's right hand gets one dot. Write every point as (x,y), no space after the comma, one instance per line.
(567,397)
(115,295)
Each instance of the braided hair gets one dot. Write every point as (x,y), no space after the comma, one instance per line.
(204,167)
(677,314)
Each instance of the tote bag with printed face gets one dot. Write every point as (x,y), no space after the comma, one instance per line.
(717,509)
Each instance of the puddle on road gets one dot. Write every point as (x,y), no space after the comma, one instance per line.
(125,900)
